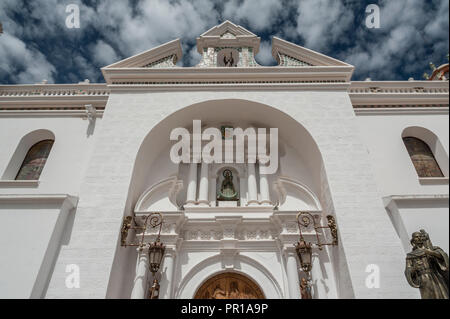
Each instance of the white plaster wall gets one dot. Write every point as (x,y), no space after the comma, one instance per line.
(33,229)
(68,158)
(394,171)
(396,175)
(29,241)
(328,117)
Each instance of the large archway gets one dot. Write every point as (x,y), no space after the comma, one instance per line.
(300,183)
(229,285)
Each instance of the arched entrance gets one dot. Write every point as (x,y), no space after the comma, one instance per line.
(229,286)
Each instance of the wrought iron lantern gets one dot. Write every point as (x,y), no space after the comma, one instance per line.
(303,248)
(304,253)
(155,250)
(155,255)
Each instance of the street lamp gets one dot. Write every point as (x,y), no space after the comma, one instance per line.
(304,249)
(155,250)
(304,253)
(155,255)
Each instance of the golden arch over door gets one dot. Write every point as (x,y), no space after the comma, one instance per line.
(229,286)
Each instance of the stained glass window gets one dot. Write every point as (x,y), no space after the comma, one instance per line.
(422,158)
(35,160)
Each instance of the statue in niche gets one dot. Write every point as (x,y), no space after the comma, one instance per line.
(228,61)
(227,191)
(427,267)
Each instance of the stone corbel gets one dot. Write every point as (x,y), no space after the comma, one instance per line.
(229,251)
(91,112)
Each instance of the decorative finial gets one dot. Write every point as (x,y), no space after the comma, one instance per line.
(432,66)
(426,76)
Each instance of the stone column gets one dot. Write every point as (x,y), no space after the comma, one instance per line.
(191,197)
(252,186)
(168,273)
(292,274)
(141,279)
(204,185)
(264,186)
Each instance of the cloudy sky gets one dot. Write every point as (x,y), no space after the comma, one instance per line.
(37,45)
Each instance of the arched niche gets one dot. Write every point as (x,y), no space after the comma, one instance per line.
(295,196)
(161,196)
(153,164)
(237,178)
(22,149)
(433,143)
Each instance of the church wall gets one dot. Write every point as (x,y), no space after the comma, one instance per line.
(68,157)
(394,171)
(328,117)
(36,214)
(413,203)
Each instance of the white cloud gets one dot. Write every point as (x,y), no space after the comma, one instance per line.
(260,14)
(321,22)
(264,57)
(103,54)
(23,64)
(123,28)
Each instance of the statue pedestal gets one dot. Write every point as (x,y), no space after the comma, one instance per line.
(222,203)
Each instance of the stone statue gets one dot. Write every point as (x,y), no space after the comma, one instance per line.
(154,290)
(427,267)
(228,62)
(305,289)
(227,191)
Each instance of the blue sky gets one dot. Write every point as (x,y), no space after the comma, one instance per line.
(37,45)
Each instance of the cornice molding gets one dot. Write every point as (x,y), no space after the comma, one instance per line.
(399,93)
(401,110)
(224,78)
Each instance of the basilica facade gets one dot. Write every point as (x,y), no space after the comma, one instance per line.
(95,206)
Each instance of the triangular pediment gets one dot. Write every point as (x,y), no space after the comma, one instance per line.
(227,27)
(228,34)
(287,53)
(165,55)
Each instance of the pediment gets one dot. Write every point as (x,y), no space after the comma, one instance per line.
(227,27)
(165,55)
(228,34)
(291,54)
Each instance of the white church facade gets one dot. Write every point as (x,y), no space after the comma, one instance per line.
(82,167)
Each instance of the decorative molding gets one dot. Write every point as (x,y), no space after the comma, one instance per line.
(71,201)
(394,200)
(149,57)
(401,110)
(400,93)
(282,47)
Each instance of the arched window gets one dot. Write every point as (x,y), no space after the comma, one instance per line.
(35,160)
(422,158)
